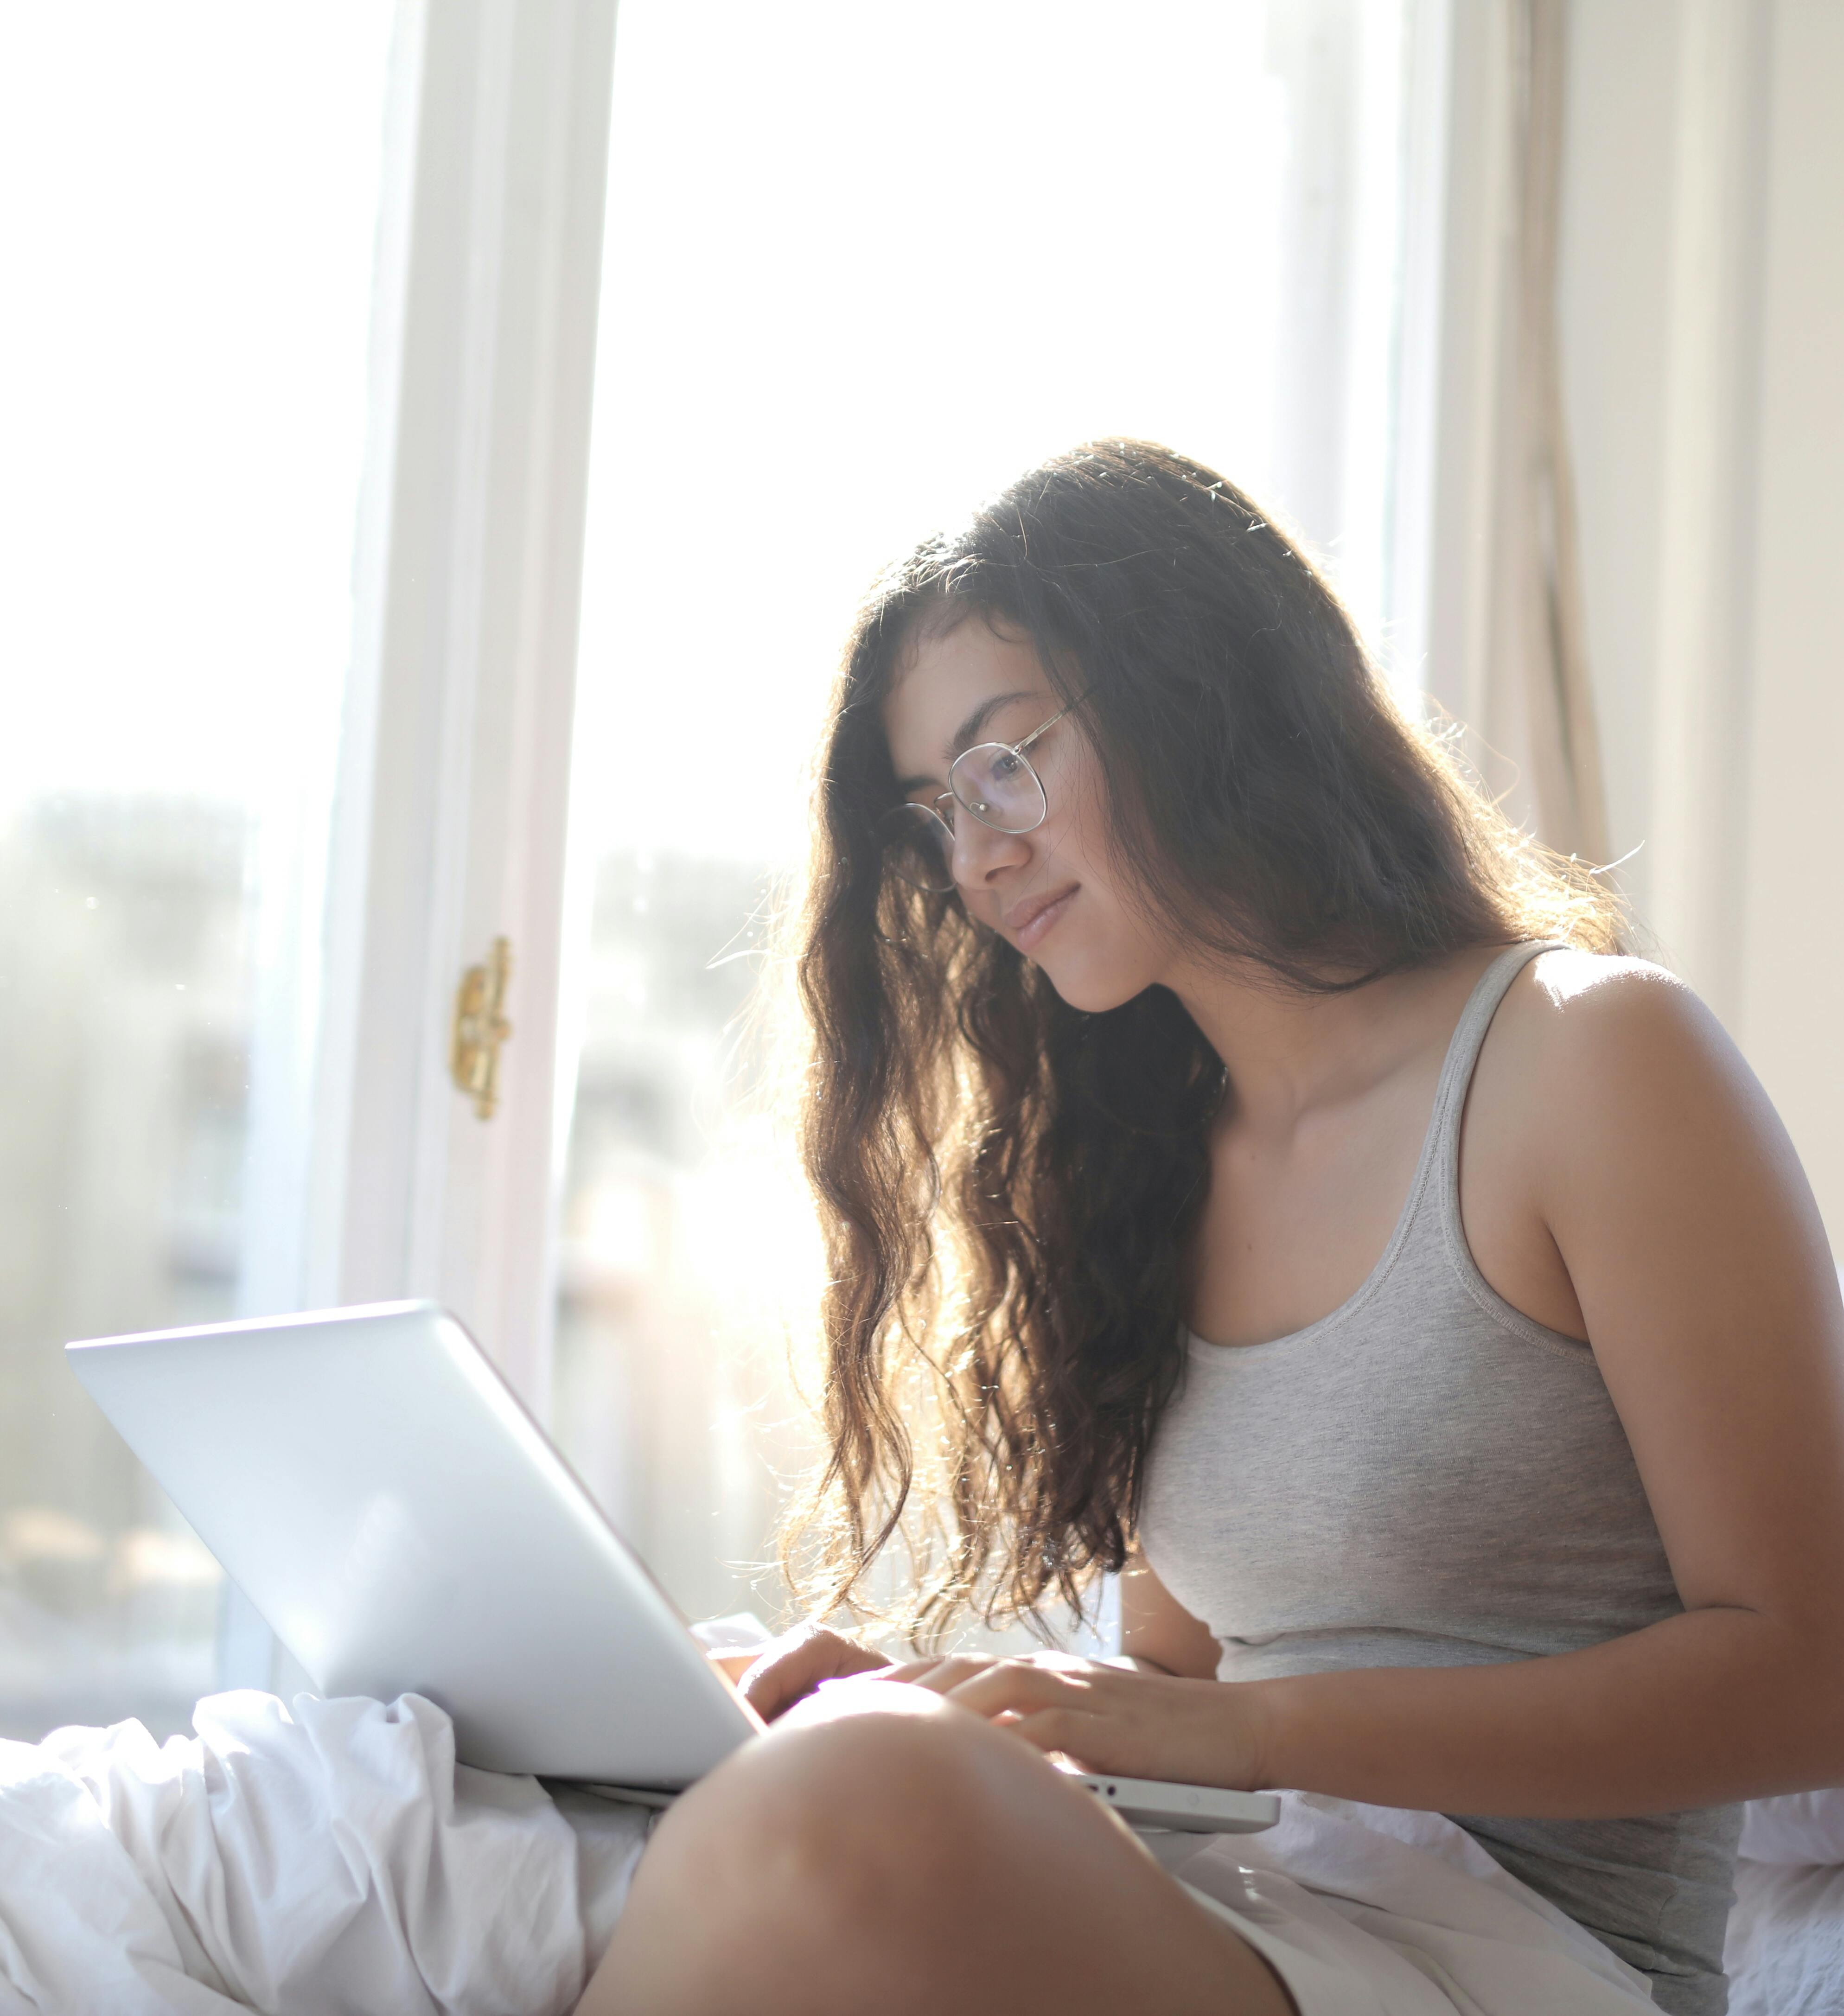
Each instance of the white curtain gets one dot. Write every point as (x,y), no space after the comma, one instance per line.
(1534,706)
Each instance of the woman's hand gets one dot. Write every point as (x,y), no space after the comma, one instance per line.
(793,1665)
(1104,1718)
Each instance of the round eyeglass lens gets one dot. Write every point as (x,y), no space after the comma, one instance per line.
(1000,788)
(919,849)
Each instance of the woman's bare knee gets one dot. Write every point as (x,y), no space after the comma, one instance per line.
(827,1849)
(861,1817)
(920,1852)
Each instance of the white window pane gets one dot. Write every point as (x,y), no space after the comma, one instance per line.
(188,197)
(863,264)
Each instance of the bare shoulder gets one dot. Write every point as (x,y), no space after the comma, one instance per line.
(1587,1024)
(1595,996)
(1638,1108)
(1625,1178)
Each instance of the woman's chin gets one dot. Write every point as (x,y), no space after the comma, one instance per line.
(1081,986)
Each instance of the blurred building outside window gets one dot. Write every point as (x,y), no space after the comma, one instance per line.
(188,227)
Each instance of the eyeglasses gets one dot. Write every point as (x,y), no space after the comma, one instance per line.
(992,780)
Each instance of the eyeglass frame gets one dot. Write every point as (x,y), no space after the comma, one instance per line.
(933,806)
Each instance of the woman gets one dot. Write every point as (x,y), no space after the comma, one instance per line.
(1248,1164)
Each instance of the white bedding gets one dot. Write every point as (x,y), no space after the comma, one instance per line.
(330,1859)
(323,1861)
(1785,1951)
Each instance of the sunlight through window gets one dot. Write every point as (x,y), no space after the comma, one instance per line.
(862,265)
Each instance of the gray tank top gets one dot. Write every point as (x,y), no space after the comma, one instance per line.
(1426,1477)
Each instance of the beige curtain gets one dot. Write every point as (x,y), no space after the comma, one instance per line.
(1538,708)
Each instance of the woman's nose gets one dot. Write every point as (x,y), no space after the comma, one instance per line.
(981,851)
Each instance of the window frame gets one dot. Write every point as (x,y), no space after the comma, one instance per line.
(452,808)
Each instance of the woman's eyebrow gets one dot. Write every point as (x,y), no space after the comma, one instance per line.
(968,733)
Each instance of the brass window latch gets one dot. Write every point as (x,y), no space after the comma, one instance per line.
(481,1029)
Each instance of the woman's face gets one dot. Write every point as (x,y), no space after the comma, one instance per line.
(1053,892)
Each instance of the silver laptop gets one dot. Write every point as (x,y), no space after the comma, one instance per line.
(377,1490)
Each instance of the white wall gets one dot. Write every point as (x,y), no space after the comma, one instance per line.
(1792,1001)
(1703,327)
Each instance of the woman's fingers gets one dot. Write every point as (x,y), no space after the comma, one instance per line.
(1050,1711)
(946,1670)
(1101,1717)
(1098,1718)
(1063,1732)
(939,1675)
(795,1665)
(1018,1686)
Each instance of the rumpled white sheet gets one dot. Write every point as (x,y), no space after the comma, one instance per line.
(1785,1950)
(328,1859)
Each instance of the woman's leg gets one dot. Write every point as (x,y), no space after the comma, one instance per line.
(899,1855)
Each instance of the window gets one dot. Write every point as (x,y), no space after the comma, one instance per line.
(858,265)
(861,264)
(188,227)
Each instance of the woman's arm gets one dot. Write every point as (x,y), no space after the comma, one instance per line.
(1679,1209)
(1690,1237)
(1158,1635)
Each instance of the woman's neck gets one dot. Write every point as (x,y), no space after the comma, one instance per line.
(1288,1054)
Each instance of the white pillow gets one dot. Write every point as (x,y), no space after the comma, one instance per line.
(1806,1828)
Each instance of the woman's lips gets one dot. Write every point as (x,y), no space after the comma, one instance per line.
(1040,920)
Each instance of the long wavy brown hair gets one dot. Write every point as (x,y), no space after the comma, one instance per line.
(1008,1185)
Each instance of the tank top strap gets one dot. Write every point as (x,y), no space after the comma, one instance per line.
(1463,1052)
